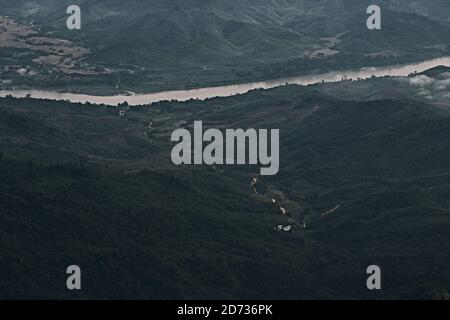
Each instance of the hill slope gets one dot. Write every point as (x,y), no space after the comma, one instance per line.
(153,45)
(79,185)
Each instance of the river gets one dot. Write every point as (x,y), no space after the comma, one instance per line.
(231,90)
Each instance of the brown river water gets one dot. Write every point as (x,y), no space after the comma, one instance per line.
(231,90)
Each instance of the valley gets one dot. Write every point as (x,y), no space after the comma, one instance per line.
(358,178)
(127,48)
(94,175)
(131,98)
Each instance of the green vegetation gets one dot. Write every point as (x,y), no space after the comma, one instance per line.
(149,46)
(79,185)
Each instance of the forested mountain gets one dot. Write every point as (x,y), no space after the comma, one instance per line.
(369,176)
(153,45)
(364,175)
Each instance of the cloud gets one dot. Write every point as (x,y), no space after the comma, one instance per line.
(431,88)
(421,81)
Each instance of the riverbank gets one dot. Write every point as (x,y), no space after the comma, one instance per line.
(231,90)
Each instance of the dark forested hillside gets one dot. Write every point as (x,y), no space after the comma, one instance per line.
(369,176)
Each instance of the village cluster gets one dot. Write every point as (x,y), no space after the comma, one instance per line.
(285,212)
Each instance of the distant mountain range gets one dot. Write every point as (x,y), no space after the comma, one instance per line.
(154,45)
